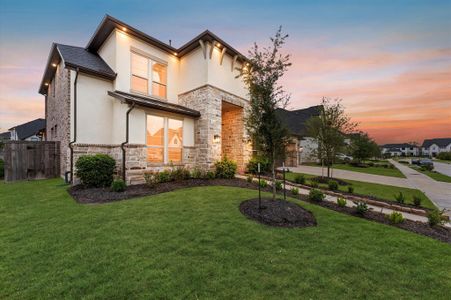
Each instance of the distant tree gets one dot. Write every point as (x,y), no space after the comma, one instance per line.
(261,75)
(329,129)
(363,147)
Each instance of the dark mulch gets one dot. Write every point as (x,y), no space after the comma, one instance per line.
(104,195)
(437,232)
(326,180)
(277,213)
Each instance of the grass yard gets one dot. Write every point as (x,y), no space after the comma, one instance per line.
(434,175)
(380,191)
(369,170)
(195,243)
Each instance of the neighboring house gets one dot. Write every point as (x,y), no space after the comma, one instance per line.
(432,147)
(147,104)
(403,149)
(30,131)
(5,136)
(301,148)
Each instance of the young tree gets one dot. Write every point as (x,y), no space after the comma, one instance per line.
(363,147)
(261,75)
(329,129)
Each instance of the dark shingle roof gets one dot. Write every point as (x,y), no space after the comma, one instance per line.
(442,142)
(403,145)
(5,136)
(295,120)
(30,128)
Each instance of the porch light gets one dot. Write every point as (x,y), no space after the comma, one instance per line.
(216,138)
(54,65)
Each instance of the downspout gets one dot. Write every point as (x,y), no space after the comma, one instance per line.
(75,129)
(126,139)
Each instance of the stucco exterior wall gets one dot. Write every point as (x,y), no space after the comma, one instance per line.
(58,113)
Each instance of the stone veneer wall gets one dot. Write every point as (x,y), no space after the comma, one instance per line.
(232,136)
(58,113)
(208,100)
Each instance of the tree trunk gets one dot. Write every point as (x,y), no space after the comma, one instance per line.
(273,176)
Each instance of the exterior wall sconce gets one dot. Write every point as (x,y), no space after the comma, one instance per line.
(216,138)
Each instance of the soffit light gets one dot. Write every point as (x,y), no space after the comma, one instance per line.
(124,29)
(54,65)
(218,45)
(46,84)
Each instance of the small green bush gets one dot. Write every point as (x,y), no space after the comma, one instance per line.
(225,168)
(252,166)
(361,207)
(427,168)
(395,217)
(210,175)
(341,201)
(263,183)
(2,168)
(118,185)
(314,184)
(299,179)
(151,178)
(444,155)
(417,201)
(400,198)
(435,217)
(350,189)
(278,185)
(295,191)
(197,173)
(95,170)
(180,173)
(333,185)
(249,179)
(164,176)
(316,195)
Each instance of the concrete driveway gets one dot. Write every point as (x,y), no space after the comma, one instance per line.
(351,175)
(438,192)
(443,168)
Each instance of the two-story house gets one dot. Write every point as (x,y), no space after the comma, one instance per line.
(432,147)
(403,149)
(146,103)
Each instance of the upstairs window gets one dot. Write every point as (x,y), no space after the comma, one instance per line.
(148,76)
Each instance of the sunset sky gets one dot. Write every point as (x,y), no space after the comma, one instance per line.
(390,61)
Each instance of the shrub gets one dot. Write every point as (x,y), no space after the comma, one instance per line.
(299,179)
(361,207)
(263,183)
(400,198)
(164,176)
(416,200)
(95,170)
(278,185)
(118,185)
(252,166)
(316,195)
(427,168)
(151,178)
(225,168)
(435,217)
(341,201)
(350,189)
(371,164)
(197,173)
(180,173)
(444,155)
(249,179)
(395,217)
(2,168)
(314,184)
(333,185)
(294,191)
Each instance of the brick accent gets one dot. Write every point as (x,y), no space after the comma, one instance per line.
(58,114)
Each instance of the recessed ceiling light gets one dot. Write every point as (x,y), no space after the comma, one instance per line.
(54,65)
(218,45)
(175,53)
(46,84)
(124,29)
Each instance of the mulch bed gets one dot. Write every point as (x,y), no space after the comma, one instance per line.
(326,180)
(278,213)
(105,195)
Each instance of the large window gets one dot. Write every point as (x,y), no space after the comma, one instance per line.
(164,138)
(148,76)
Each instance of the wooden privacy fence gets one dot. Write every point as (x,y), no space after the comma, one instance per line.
(31,160)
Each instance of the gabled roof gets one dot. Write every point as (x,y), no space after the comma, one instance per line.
(295,120)
(29,129)
(5,136)
(152,102)
(73,58)
(441,142)
(403,145)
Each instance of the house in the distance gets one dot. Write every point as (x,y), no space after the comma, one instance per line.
(146,103)
(301,148)
(432,147)
(403,149)
(30,131)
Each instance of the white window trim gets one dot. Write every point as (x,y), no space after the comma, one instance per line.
(165,137)
(150,60)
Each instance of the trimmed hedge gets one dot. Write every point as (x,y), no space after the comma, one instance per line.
(95,170)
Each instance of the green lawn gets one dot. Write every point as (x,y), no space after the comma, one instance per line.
(195,244)
(369,170)
(434,175)
(442,161)
(380,191)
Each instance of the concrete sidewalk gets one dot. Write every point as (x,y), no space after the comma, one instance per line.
(358,176)
(438,192)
